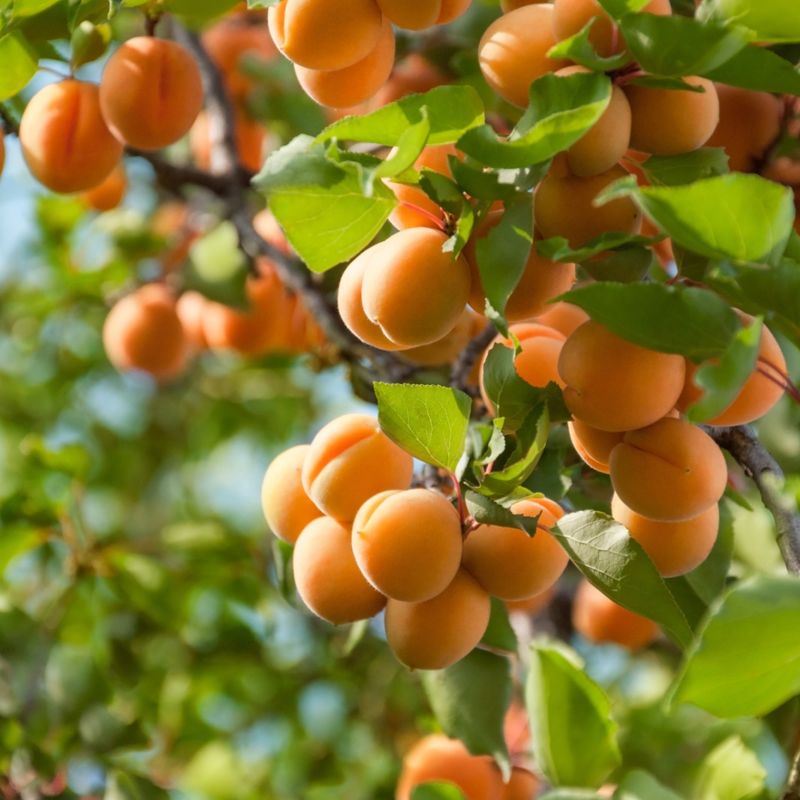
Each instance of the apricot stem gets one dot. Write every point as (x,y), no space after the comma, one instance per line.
(425,213)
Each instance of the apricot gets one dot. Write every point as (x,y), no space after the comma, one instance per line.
(759,393)
(564,206)
(349,86)
(524,785)
(412,16)
(669,471)
(448,349)
(615,385)
(351,460)
(541,281)
(451,10)
(509,563)
(413,290)
(143,332)
(325,34)
(109,193)
(674,547)
(411,75)
(592,445)
(250,138)
(512,53)
(437,758)
(65,141)
(668,122)
(510,5)
(151,92)
(408,543)
(269,229)
(564,317)
(439,632)
(602,621)
(191,307)
(531,605)
(327,577)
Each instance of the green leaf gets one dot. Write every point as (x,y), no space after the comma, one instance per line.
(671,319)
(625,265)
(470,700)
(557,248)
(408,148)
(724,672)
(759,69)
(775,289)
(573,734)
(437,790)
(510,396)
(217,267)
(731,771)
(686,168)
(570,794)
(618,566)
(452,110)
(19,64)
(639,785)
(489,512)
(430,422)
(578,48)
(770,20)
(500,635)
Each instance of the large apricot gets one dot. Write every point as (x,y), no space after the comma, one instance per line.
(151,92)
(524,785)
(602,621)
(327,577)
(564,317)
(669,471)
(286,506)
(65,141)
(674,547)
(191,308)
(452,9)
(250,138)
(349,86)
(668,122)
(512,53)
(413,290)
(412,16)
(325,34)
(593,445)
(108,194)
(615,385)
(351,460)
(531,606)
(510,5)
(447,350)
(411,75)
(439,632)
(143,332)
(408,543)
(437,758)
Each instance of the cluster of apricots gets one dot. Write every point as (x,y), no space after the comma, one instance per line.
(343,50)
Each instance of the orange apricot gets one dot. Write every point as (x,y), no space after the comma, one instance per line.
(109,193)
(351,460)
(408,543)
(349,86)
(439,632)
(191,307)
(65,141)
(669,471)
(250,138)
(151,92)
(512,53)
(531,606)
(602,621)
(269,229)
(411,75)
(510,5)
(564,206)
(413,290)
(286,506)
(674,547)
(509,563)
(327,577)
(325,34)
(564,317)
(142,332)
(668,122)
(451,10)
(616,385)
(447,350)
(524,785)
(412,16)
(592,445)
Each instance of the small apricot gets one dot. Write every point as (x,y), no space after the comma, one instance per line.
(510,5)
(451,10)
(524,785)
(593,445)
(412,75)
(412,16)
(191,308)
(531,606)
(108,194)
(448,349)
(564,317)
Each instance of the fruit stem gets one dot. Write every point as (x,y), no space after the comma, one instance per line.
(425,213)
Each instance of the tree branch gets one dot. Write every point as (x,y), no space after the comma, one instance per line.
(459,377)
(792,791)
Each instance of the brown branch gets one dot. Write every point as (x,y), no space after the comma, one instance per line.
(459,376)
(792,791)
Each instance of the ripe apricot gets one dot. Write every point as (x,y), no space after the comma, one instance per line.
(349,86)
(668,122)
(65,141)
(509,563)
(143,332)
(531,605)
(250,138)
(524,785)
(512,53)
(564,206)
(564,317)
(191,308)
(437,758)
(325,34)
(269,229)
(674,547)
(151,92)
(669,471)
(436,633)
(411,75)
(412,16)
(510,5)
(615,385)
(602,621)
(327,577)
(109,193)
(451,10)
(447,350)
(351,460)
(413,290)
(408,543)
(592,445)
(759,393)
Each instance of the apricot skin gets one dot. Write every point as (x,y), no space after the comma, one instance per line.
(439,632)
(512,53)
(592,445)
(602,621)
(615,385)
(412,16)
(523,785)
(108,194)
(408,543)
(448,349)
(286,506)
(669,471)
(151,92)
(451,10)
(191,307)
(564,317)
(65,141)
(674,547)
(512,565)
(326,575)
(351,460)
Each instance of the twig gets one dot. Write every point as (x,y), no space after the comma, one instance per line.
(459,377)
(792,791)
